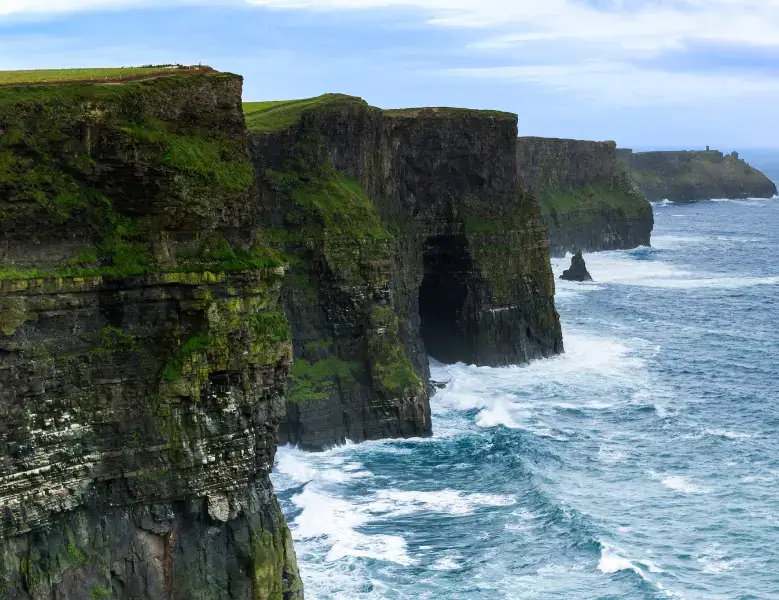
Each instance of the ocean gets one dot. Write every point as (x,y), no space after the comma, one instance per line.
(641,464)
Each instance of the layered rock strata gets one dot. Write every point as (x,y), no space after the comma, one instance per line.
(411,236)
(588,201)
(143,353)
(687,176)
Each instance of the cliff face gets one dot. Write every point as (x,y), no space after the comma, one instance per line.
(587,199)
(686,176)
(411,236)
(143,353)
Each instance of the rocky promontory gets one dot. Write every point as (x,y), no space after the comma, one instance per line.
(587,198)
(687,176)
(410,236)
(179,291)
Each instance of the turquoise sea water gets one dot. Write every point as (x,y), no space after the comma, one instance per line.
(642,464)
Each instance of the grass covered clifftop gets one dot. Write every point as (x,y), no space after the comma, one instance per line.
(97,75)
(124,178)
(686,176)
(277,115)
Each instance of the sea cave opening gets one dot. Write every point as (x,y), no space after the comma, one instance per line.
(443,297)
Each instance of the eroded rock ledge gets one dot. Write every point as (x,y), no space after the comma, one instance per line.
(587,198)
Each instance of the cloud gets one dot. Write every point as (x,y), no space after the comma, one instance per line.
(627,85)
(599,49)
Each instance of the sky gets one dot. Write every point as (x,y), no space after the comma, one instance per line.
(646,73)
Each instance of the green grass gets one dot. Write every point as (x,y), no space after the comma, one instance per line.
(270,328)
(391,368)
(197,153)
(49,76)
(198,343)
(591,196)
(279,115)
(319,380)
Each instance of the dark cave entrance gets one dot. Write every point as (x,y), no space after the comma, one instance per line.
(443,298)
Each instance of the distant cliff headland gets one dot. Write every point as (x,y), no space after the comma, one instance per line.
(690,175)
(588,201)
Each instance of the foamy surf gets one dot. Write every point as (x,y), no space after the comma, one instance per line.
(683,485)
(627,268)
(654,433)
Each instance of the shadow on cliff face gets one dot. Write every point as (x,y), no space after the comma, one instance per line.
(443,298)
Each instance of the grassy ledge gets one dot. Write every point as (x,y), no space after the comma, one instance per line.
(446,112)
(281,114)
(589,197)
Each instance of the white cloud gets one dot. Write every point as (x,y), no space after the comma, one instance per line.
(562,44)
(625,85)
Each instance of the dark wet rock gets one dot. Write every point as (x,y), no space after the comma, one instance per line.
(578,270)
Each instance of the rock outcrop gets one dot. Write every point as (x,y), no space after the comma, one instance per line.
(143,352)
(578,269)
(411,235)
(587,199)
(687,176)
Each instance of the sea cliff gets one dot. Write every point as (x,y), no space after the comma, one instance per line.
(588,201)
(143,351)
(410,236)
(687,176)
(179,291)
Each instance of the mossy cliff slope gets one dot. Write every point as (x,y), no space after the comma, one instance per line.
(687,176)
(588,201)
(409,234)
(143,352)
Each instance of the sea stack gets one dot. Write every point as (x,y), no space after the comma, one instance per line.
(578,270)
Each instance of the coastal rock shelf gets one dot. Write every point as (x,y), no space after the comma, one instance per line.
(587,199)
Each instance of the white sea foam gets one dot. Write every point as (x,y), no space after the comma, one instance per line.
(394,503)
(446,564)
(611,456)
(683,485)
(713,560)
(728,435)
(622,268)
(611,562)
(591,375)
(664,202)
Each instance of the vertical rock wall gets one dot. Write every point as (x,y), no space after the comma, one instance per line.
(587,198)
(435,249)
(143,353)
